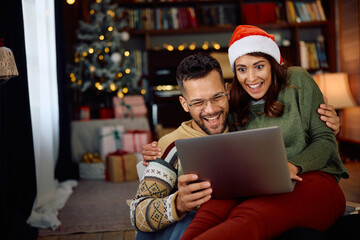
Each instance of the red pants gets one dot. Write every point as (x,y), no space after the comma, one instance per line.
(316,202)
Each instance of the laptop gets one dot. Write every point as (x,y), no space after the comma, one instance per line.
(239,164)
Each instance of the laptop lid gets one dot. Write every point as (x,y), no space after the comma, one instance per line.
(238,164)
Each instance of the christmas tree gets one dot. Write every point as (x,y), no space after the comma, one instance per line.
(101,62)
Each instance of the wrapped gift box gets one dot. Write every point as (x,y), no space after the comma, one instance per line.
(121,166)
(134,140)
(93,171)
(129,106)
(92,167)
(110,139)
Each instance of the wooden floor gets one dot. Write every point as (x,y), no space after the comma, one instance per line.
(121,235)
(351,188)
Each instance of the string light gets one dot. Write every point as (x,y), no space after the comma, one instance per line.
(109,44)
(120,94)
(205,45)
(101,57)
(107,50)
(92,68)
(215,45)
(92,11)
(98,1)
(119,75)
(101,37)
(76,60)
(127,71)
(79,82)
(127,53)
(72,77)
(91,50)
(110,29)
(112,87)
(70,2)
(192,46)
(84,54)
(143,91)
(125,90)
(111,13)
(98,86)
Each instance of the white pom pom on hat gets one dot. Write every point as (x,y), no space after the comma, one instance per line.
(249,39)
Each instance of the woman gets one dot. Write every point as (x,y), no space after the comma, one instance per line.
(265,93)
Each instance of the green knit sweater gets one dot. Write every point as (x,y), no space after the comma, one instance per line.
(309,143)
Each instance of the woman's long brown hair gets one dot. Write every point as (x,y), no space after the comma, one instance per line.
(240,100)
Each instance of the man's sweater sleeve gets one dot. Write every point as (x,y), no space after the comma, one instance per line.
(153,207)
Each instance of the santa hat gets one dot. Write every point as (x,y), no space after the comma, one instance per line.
(248,39)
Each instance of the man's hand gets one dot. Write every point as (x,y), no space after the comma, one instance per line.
(329,116)
(191,195)
(294,170)
(150,151)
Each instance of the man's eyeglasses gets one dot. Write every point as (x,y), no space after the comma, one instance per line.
(199,104)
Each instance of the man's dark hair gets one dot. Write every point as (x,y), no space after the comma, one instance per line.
(196,66)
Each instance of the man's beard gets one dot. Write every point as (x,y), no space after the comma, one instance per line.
(207,130)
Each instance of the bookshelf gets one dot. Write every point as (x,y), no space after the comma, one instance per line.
(157,25)
(162,24)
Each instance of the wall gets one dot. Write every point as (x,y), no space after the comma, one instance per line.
(349,34)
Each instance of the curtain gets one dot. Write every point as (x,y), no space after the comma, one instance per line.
(39,26)
(17,161)
(65,168)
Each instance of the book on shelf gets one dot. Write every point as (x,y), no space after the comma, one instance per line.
(312,55)
(218,15)
(162,18)
(259,13)
(304,11)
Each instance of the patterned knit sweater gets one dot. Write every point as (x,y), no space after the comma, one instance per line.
(153,207)
(309,143)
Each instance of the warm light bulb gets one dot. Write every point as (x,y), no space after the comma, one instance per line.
(143,91)
(98,1)
(127,71)
(109,44)
(205,45)
(101,37)
(107,50)
(101,57)
(92,68)
(216,46)
(84,54)
(70,2)
(170,48)
(79,82)
(110,29)
(125,90)
(112,87)
(127,53)
(91,50)
(120,94)
(92,11)
(119,75)
(192,46)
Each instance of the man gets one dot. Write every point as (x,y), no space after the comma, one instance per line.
(165,196)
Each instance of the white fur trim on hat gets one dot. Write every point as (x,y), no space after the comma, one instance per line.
(253,43)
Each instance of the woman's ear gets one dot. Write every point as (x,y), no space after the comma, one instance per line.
(184,104)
